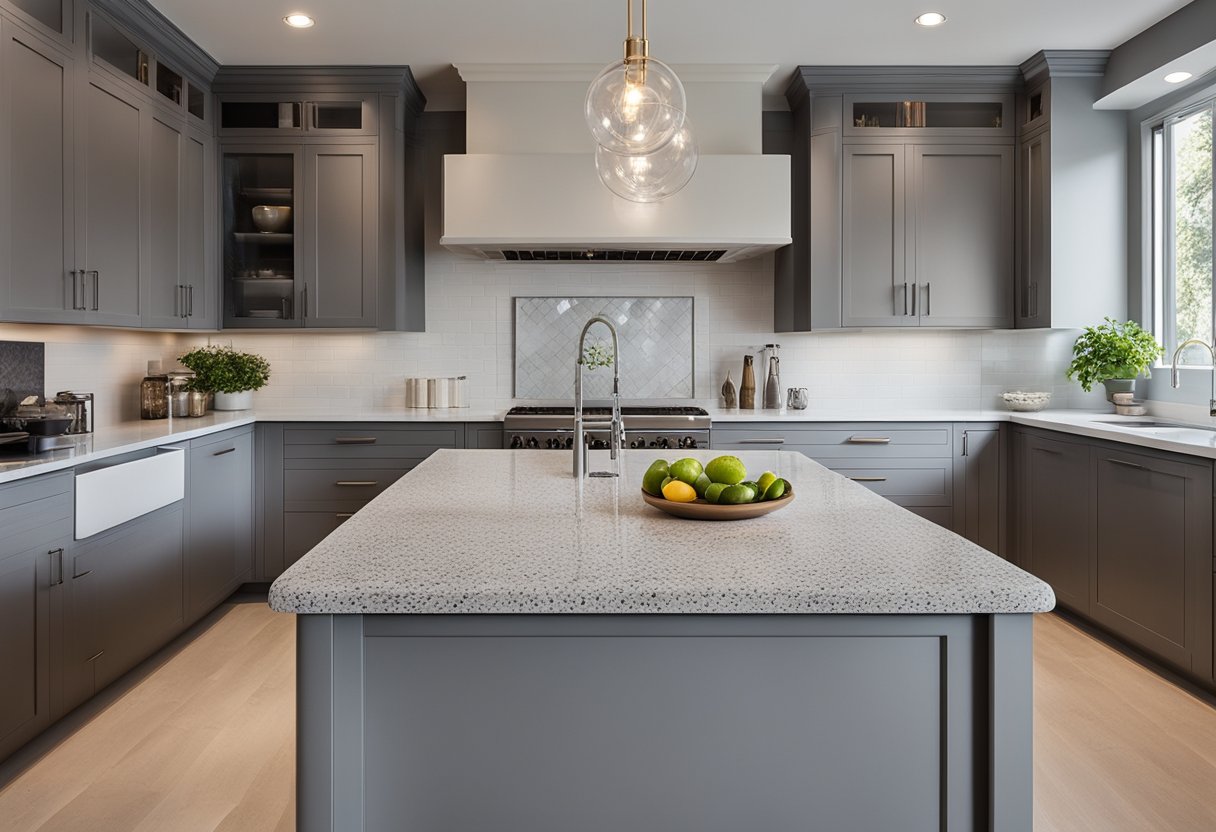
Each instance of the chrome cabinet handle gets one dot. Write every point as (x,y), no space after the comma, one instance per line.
(57,566)
(868,479)
(190,301)
(928,299)
(225,451)
(915,296)
(356,483)
(96,289)
(905,298)
(304,301)
(181,301)
(355,440)
(1127,464)
(75,291)
(869,440)
(762,441)
(965,435)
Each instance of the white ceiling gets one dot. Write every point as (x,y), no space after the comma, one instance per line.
(431,35)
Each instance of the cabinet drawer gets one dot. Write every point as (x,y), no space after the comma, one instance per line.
(938,515)
(356,442)
(840,441)
(339,484)
(906,482)
(26,526)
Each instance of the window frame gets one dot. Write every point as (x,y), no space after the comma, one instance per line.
(1160,290)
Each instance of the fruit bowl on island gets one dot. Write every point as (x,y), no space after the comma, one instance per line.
(718,491)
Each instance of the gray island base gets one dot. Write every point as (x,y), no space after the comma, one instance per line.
(838,665)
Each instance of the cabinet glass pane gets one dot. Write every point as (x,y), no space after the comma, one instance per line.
(47,12)
(260,115)
(337,115)
(259,238)
(169,83)
(928,114)
(116,49)
(196,101)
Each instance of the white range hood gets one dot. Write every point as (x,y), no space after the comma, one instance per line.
(527,189)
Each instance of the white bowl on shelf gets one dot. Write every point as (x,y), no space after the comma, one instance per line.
(1020,401)
(271,219)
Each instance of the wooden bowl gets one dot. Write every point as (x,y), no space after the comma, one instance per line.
(702,510)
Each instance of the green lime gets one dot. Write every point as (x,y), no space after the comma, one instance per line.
(766,479)
(701,484)
(686,470)
(727,469)
(735,495)
(776,490)
(715,491)
(652,480)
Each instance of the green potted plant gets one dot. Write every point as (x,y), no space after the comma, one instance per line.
(1115,354)
(228,373)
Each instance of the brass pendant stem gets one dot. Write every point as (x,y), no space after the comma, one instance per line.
(636,48)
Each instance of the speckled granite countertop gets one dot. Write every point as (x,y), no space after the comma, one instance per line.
(508,532)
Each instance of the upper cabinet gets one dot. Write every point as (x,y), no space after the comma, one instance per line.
(48,17)
(314,221)
(904,199)
(1072,195)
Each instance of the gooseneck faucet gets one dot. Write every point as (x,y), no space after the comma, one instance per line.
(617,428)
(1176,382)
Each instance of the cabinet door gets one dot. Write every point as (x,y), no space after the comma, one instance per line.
(1150,574)
(165,304)
(979,485)
(340,230)
(27,582)
(37,244)
(1033,301)
(876,288)
(302,530)
(125,601)
(110,204)
(960,235)
(219,531)
(198,231)
(1055,516)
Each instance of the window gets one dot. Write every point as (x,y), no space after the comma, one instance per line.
(1181,231)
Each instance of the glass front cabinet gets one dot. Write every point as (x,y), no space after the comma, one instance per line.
(261,249)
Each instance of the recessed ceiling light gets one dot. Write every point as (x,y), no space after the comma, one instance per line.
(299,20)
(1177,77)
(931,19)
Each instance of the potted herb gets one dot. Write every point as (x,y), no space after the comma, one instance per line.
(230,374)
(1115,354)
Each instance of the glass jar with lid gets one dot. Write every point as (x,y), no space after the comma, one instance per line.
(154,393)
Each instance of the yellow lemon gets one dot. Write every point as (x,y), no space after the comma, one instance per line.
(679,492)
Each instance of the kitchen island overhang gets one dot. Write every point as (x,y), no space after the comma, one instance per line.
(819,668)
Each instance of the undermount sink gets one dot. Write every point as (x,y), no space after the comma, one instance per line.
(1152,425)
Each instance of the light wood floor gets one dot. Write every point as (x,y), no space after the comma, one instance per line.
(202,739)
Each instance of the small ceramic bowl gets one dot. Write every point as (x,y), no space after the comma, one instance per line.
(271,219)
(1023,402)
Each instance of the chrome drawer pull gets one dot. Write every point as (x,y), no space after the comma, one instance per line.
(869,440)
(868,479)
(356,483)
(225,451)
(343,516)
(762,441)
(355,440)
(1127,464)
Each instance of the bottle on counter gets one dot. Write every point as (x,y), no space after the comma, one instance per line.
(730,399)
(772,387)
(747,389)
(154,393)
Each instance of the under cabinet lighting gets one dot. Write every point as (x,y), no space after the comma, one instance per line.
(1177,77)
(299,20)
(931,19)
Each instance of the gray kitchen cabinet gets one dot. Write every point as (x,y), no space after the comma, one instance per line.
(980,474)
(124,601)
(876,289)
(1072,195)
(178,292)
(485,436)
(51,17)
(37,519)
(38,278)
(1055,516)
(109,203)
(1152,558)
(340,229)
(219,519)
(960,235)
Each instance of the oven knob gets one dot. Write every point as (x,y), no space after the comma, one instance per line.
(688,442)
(598,445)
(569,443)
(635,444)
(517,442)
(532,442)
(663,442)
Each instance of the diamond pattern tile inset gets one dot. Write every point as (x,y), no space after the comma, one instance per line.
(656,336)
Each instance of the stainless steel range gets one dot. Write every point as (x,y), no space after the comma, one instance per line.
(552,428)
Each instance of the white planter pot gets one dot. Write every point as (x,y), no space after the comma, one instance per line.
(234,401)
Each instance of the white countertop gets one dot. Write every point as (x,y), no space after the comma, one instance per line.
(721,414)
(485,532)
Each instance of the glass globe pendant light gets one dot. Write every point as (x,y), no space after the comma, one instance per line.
(650,177)
(635,106)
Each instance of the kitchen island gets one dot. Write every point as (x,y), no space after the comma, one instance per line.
(491,645)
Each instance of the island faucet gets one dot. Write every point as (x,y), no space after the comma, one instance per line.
(1176,382)
(617,427)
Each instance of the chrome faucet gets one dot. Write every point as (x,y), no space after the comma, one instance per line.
(1176,382)
(617,427)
